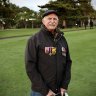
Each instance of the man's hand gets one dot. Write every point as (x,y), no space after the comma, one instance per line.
(51,93)
(63,91)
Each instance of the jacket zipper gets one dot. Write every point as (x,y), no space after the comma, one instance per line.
(55,45)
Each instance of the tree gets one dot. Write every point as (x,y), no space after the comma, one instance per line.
(24,17)
(6,13)
(70,9)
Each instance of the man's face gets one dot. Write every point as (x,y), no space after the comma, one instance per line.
(50,21)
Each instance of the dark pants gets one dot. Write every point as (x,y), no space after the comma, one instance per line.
(33,93)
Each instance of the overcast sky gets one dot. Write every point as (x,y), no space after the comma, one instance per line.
(33,4)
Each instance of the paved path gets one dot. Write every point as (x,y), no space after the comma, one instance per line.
(14,36)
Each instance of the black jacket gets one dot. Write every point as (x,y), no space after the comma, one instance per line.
(48,62)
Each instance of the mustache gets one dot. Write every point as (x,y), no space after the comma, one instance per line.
(52,24)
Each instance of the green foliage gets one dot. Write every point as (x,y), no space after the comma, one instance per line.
(6,14)
(5,10)
(71,8)
(13,16)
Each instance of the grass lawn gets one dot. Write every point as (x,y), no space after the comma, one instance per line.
(17,32)
(13,78)
(22,32)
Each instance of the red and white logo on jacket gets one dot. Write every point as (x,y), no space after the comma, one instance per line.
(63,51)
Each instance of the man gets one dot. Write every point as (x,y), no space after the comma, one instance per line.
(48,62)
(91,24)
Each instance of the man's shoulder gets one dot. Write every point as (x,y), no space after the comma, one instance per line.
(35,36)
(63,36)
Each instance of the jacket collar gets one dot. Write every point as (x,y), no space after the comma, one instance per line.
(46,31)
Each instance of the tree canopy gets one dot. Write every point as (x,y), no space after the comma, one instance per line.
(71,8)
(12,15)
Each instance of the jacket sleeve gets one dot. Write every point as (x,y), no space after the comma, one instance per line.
(67,72)
(31,66)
